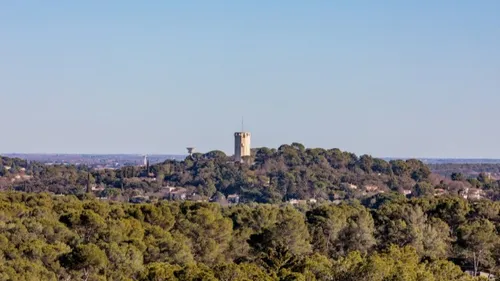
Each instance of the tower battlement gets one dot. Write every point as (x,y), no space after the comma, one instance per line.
(242,134)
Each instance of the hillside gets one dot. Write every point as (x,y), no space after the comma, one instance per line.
(291,172)
(272,175)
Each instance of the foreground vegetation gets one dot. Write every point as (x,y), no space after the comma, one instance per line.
(45,237)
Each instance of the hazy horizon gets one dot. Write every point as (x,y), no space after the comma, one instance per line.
(230,153)
(397,79)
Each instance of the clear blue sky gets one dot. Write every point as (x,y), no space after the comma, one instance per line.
(414,78)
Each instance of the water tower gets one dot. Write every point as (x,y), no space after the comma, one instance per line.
(190,150)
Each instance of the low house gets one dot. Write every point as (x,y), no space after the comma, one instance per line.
(296,202)
(233,198)
(472,193)
(464,193)
(336,202)
(175,193)
(439,192)
(169,188)
(371,188)
(475,194)
(95,187)
(348,186)
(485,275)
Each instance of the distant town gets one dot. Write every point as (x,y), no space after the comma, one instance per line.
(95,161)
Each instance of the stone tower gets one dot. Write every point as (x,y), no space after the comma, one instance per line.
(241,145)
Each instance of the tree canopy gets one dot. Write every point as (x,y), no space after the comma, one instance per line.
(46,237)
(269,176)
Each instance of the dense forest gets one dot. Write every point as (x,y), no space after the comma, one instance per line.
(269,176)
(388,237)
